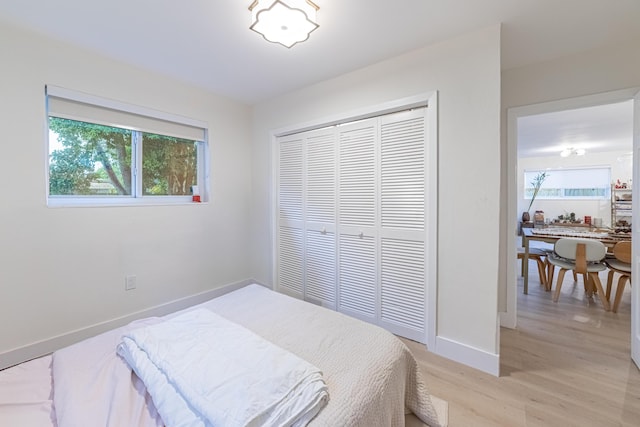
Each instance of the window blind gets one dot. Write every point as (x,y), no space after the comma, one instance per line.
(68,104)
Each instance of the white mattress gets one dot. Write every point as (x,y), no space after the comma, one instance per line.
(370,373)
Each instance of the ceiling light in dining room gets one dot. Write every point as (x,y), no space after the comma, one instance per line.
(285,22)
(567,152)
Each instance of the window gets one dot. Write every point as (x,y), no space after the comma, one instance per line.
(104,152)
(579,183)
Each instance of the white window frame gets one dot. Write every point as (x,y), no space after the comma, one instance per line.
(132,111)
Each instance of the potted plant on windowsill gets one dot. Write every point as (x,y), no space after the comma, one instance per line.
(536,183)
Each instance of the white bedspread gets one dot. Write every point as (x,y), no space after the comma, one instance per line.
(203,370)
(371,375)
(25,395)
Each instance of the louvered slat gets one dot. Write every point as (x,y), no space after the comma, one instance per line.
(403,283)
(357,176)
(290,259)
(358,275)
(321,267)
(290,186)
(402,172)
(321,178)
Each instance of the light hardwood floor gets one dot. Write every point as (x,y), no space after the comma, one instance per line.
(566,364)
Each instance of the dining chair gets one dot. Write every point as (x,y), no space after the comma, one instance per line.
(583,256)
(550,270)
(619,263)
(539,256)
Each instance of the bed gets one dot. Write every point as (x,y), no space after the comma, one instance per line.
(371,376)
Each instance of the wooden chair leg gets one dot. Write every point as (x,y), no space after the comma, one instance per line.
(588,285)
(559,284)
(595,279)
(521,258)
(541,273)
(550,271)
(609,283)
(622,281)
(575,276)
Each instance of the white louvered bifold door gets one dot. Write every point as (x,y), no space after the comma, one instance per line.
(402,232)
(357,219)
(321,218)
(351,208)
(290,233)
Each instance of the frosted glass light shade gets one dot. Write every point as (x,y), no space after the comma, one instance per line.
(286,22)
(573,152)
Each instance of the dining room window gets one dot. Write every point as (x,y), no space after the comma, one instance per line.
(576,183)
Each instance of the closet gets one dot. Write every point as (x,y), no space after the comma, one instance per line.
(351,229)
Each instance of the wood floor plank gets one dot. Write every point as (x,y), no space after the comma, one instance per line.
(567,364)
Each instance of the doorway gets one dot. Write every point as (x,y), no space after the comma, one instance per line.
(514,209)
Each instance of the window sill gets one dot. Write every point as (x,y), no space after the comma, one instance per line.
(101,202)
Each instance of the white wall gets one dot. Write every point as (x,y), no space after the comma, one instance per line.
(63,268)
(592,72)
(466,73)
(618,161)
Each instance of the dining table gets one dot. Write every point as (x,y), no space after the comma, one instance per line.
(553,233)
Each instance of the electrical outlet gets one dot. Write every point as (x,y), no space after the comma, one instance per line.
(129,283)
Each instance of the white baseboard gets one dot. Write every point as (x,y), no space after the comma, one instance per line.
(470,356)
(47,346)
(508,320)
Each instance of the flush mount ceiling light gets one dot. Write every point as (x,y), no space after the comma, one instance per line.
(286,22)
(572,152)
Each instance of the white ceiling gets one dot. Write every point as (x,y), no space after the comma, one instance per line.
(594,129)
(208,42)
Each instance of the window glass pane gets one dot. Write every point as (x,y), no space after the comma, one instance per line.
(87,159)
(585,183)
(586,192)
(169,165)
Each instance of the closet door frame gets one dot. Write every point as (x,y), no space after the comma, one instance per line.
(428,99)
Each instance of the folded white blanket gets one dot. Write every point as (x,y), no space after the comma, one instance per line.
(203,370)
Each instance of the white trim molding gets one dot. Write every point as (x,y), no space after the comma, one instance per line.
(467,355)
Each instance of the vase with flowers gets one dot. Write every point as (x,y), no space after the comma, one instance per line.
(536,183)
